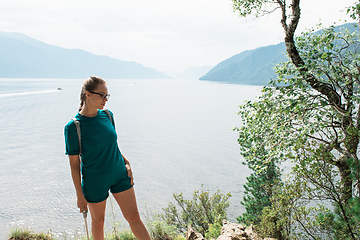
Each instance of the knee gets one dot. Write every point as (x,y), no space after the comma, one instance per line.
(133,217)
(98,222)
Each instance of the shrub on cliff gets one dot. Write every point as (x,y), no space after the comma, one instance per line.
(201,212)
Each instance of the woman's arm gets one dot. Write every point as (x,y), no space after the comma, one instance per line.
(128,168)
(76,177)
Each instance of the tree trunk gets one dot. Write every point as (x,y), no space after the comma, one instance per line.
(346,191)
(296,59)
(346,181)
(324,88)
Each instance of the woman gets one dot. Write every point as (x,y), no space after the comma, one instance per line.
(102,165)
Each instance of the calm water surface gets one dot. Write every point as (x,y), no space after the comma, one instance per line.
(177,135)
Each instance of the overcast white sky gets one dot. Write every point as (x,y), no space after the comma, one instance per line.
(164,34)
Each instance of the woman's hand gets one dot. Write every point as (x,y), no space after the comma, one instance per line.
(82,204)
(76,176)
(130,175)
(128,169)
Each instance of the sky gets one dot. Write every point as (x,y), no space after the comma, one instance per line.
(167,35)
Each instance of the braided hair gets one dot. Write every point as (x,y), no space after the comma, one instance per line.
(90,84)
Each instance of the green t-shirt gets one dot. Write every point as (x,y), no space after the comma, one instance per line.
(100,151)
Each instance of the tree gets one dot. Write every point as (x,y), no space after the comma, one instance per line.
(258,191)
(326,87)
(261,183)
(310,115)
(293,122)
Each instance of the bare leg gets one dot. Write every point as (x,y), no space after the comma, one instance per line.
(97,211)
(128,206)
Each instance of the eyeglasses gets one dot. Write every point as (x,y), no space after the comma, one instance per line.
(102,95)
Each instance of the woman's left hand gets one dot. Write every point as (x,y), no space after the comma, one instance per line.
(130,175)
(128,169)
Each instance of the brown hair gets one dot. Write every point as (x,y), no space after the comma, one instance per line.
(90,84)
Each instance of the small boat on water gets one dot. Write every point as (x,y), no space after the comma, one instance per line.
(59,89)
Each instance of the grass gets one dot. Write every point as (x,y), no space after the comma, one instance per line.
(26,234)
(124,234)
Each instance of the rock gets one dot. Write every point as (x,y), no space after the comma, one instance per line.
(234,231)
(193,235)
(229,231)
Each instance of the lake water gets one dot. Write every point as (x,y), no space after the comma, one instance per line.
(177,135)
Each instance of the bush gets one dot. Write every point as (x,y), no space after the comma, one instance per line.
(159,229)
(201,212)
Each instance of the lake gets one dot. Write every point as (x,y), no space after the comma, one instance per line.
(177,135)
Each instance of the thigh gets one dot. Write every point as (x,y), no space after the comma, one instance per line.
(97,211)
(127,203)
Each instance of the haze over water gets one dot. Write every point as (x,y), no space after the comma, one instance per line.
(177,135)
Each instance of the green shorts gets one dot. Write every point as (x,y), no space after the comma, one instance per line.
(96,186)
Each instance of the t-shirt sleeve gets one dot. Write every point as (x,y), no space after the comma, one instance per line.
(71,139)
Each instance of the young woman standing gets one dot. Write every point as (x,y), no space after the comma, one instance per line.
(101,166)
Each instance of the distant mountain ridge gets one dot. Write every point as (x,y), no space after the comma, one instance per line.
(24,57)
(253,67)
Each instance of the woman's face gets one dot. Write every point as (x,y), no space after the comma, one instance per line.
(97,98)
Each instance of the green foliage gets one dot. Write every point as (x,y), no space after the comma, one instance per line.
(26,234)
(354,11)
(200,211)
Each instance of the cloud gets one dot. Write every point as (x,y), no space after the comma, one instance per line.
(166,35)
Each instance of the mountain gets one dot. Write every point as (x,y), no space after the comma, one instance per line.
(255,67)
(252,67)
(193,72)
(24,57)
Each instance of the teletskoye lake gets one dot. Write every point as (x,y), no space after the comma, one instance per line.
(177,135)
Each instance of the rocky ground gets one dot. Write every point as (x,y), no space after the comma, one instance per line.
(229,231)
